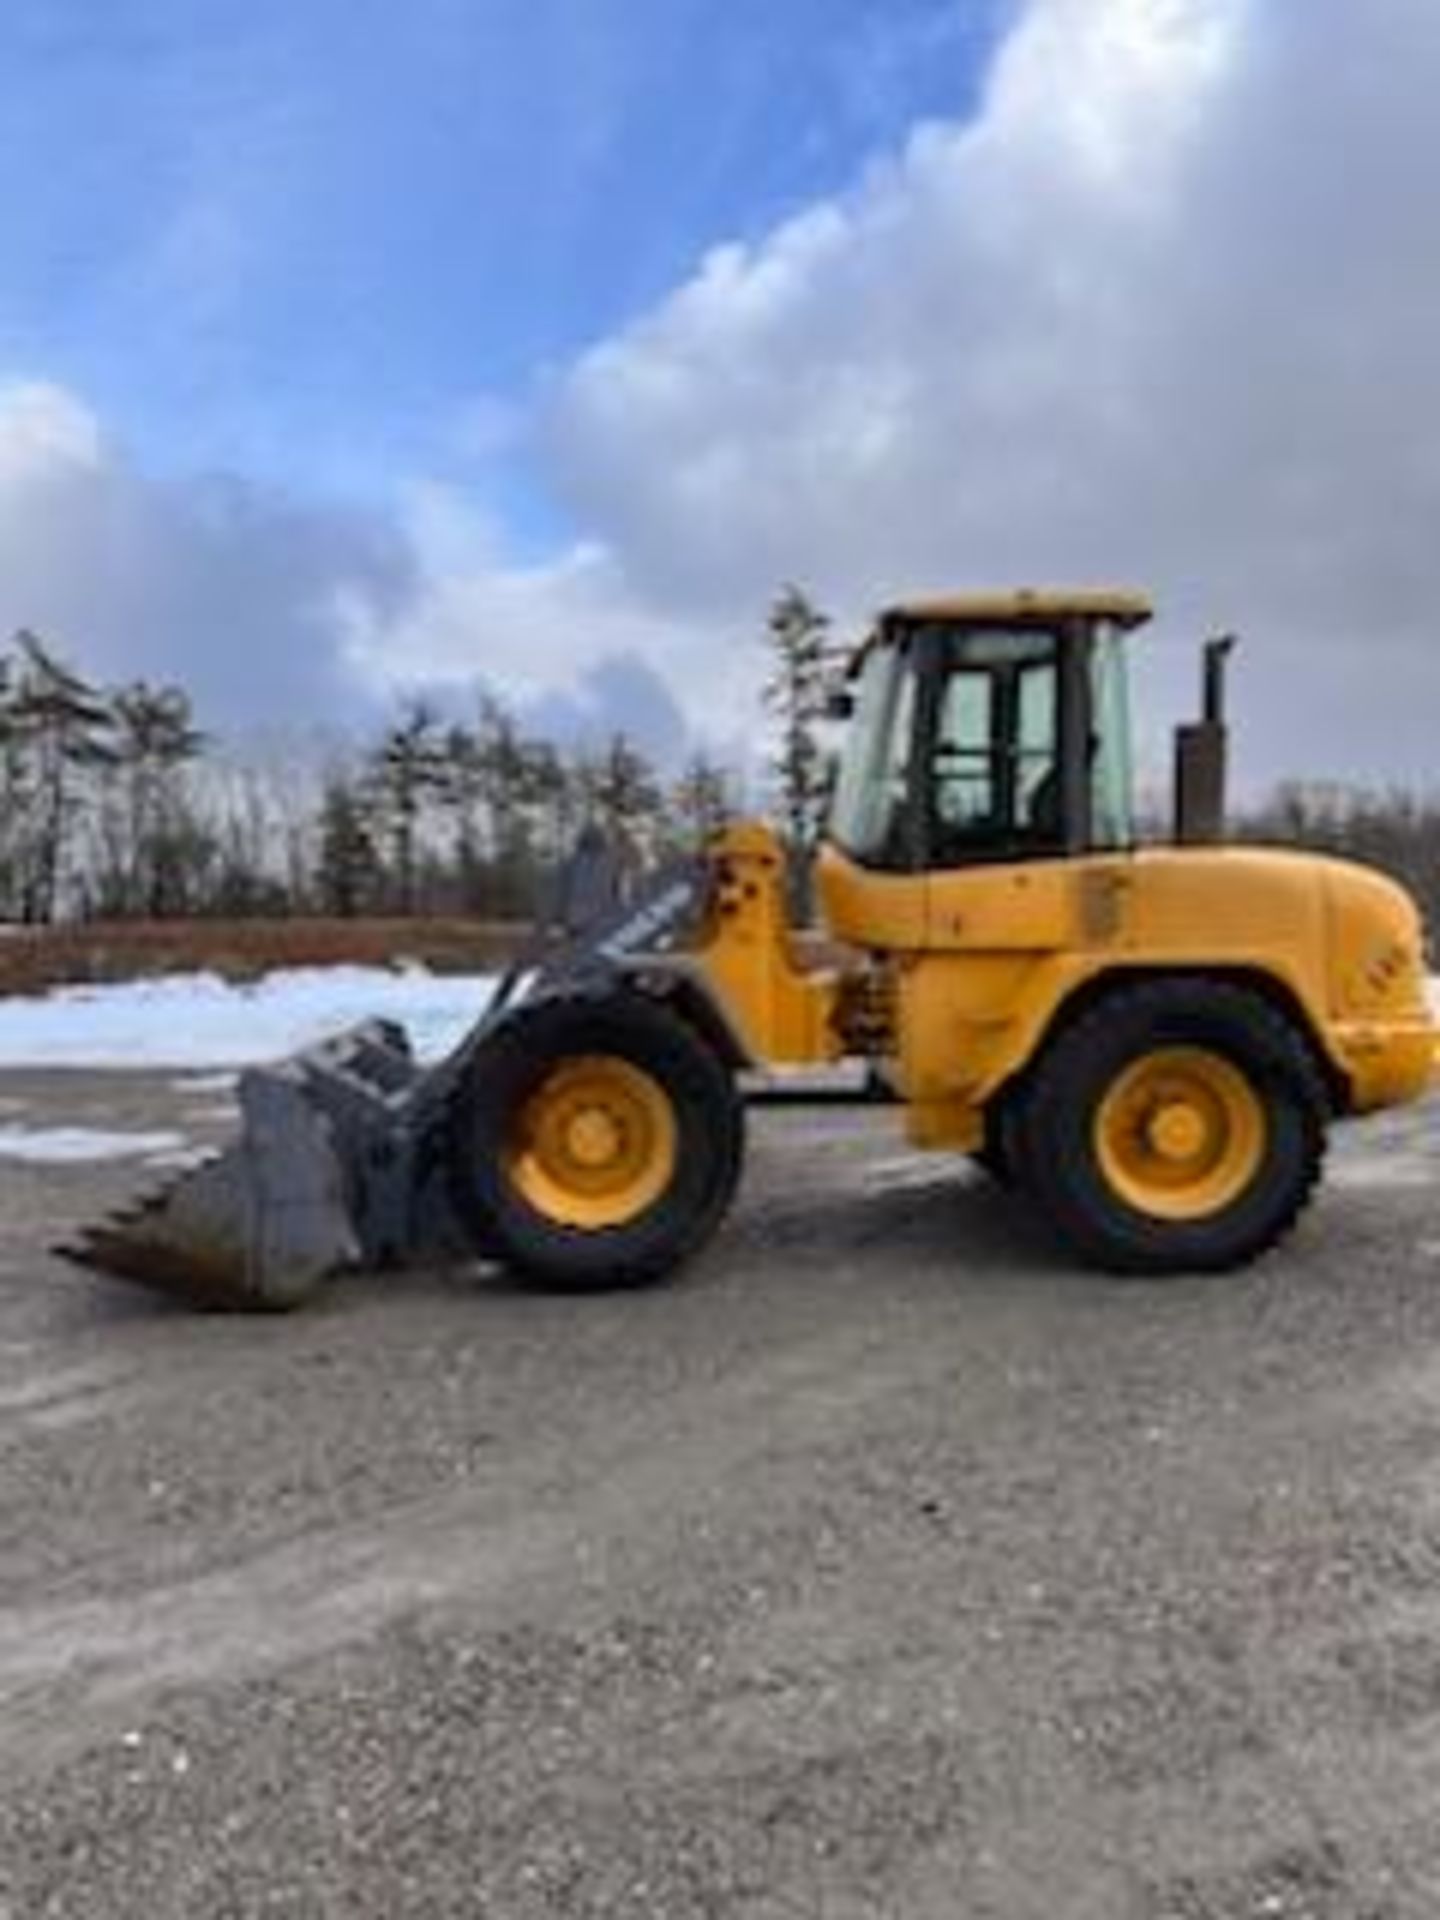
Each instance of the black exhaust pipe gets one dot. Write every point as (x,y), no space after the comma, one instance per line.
(1202,756)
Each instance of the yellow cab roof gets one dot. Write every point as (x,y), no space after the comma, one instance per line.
(1029,607)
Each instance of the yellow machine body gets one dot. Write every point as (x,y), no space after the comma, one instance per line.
(957,978)
(783,1009)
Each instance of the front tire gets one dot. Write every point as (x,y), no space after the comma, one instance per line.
(597,1142)
(1177,1126)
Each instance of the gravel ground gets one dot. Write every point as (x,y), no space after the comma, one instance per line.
(884,1566)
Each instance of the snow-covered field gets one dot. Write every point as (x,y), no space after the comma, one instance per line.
(78,1146)
(194,1021)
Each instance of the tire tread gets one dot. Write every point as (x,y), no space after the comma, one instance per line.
(625,1022)
(1175,1010)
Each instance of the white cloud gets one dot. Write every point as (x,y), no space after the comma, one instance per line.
(480,612)
(228,586)
(44,433)
(932,357)
(276,611)
(564,640)
(1164,311)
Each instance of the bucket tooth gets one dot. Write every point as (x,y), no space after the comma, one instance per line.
(146,1249)
(321,1178)
(257,1228)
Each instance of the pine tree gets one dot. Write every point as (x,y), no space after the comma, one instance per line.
(14,794)
(623,794)
(406,775)
(349,866)
(462,793)
(555,801)
(520,777)
(798,635)
(503,762)
(61,730)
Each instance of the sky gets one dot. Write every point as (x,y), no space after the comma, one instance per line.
(350,349)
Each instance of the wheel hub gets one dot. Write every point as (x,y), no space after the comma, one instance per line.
(1181,1134)
(595,1145)
(1177,1132)
(594,1139)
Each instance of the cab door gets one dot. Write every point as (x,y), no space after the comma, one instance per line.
(997,836)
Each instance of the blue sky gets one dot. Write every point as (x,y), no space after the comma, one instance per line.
(320,240)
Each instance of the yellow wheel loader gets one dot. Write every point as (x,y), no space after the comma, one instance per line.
(1147,1043)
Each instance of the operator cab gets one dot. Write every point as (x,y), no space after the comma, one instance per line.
(989,728)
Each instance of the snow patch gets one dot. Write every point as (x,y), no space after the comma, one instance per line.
(182,1159)
(70,1146)
(200,1020)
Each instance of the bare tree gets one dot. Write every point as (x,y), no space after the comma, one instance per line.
(701,799)
(155,841)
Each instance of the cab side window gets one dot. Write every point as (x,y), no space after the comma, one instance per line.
(966,787)
(1037,761)
(995,782)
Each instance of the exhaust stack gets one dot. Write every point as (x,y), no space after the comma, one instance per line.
(1202,751)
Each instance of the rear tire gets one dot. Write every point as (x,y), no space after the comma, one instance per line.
(1178,1126)
(597,1143)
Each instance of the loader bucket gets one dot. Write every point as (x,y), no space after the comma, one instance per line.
(263,1224)
(342,1159)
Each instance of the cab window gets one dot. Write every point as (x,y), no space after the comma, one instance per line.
(871,804)
(995,755)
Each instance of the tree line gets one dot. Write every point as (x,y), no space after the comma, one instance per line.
(116,803)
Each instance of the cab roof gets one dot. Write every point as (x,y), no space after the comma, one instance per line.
(1027,607)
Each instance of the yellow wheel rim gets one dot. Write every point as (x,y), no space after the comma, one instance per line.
(595,1144)
(1181,1134)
